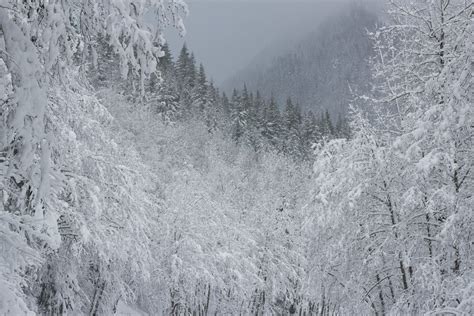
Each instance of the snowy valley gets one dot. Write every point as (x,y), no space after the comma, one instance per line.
(336,180)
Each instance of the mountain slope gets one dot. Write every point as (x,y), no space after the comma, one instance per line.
(321,71)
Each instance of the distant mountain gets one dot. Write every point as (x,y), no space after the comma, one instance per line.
(320,71)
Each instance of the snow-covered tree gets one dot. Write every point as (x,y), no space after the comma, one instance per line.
(392,194)
(292,129)
(40,43)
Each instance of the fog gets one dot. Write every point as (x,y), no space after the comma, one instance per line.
(227,35)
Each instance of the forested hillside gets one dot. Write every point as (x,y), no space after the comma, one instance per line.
(129,182)
(325,69)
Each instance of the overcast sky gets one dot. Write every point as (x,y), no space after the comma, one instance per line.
(226,35)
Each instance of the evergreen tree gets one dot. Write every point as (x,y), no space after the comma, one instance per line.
(192,72)
(272,124)
(246,105)
(186,77)
(310,134)
(252,133)
(213,112)
(238,116)
(201,93)
(162,90)
(167,101)
(292,129)
(165,62)
(326,126)
(342,129)
(259,109)
(182,66)
(104,70)
(225,105)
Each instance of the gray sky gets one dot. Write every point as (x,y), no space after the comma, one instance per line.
(226,35)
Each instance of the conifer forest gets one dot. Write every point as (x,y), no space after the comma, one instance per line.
(332,176)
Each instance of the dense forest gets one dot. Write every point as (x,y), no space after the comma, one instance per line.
(131,184)
(183,93)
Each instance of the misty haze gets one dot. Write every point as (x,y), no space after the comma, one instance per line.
(233,157)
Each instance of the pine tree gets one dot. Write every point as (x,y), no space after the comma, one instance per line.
(162,89)
(326,126)
(213,112)
(259,111)
(246,105)
(192,71)
(165,62)
(186,78)
(238,116)
(182,66)
(272,129)
(253,136)
(201,93)
(167,101)
(292,129)
(310,135)
(342,129)
(225,104)
(104,70)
